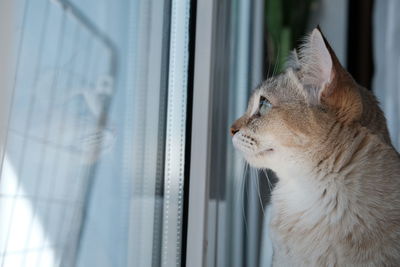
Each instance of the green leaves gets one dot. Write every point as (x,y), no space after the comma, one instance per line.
(286,22)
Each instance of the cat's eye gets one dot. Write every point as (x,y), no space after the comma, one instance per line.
(264,106)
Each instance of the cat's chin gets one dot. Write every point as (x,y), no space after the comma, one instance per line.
(261,159)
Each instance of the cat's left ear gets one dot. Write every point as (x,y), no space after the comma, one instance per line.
(324,78)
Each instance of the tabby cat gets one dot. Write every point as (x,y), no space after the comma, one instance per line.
(337,201)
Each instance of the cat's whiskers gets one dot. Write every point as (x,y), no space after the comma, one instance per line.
(268,181)
(276,62)
(243,185)
(256,177)
(269,67)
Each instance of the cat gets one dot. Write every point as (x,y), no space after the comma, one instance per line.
(337,201)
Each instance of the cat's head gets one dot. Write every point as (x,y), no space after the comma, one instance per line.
(290,115)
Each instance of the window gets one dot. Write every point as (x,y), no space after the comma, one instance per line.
(94,137)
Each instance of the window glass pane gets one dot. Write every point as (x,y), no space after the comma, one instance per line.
(93,153)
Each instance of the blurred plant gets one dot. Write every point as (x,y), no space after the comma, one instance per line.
(286,23)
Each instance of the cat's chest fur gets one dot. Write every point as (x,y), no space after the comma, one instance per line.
(302,226)
(320,225)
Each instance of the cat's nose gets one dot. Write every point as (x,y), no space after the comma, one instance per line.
(234,130)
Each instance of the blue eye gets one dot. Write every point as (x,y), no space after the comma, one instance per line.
(264,106)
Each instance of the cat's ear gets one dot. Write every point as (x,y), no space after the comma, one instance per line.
(324,78)
(317,68)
